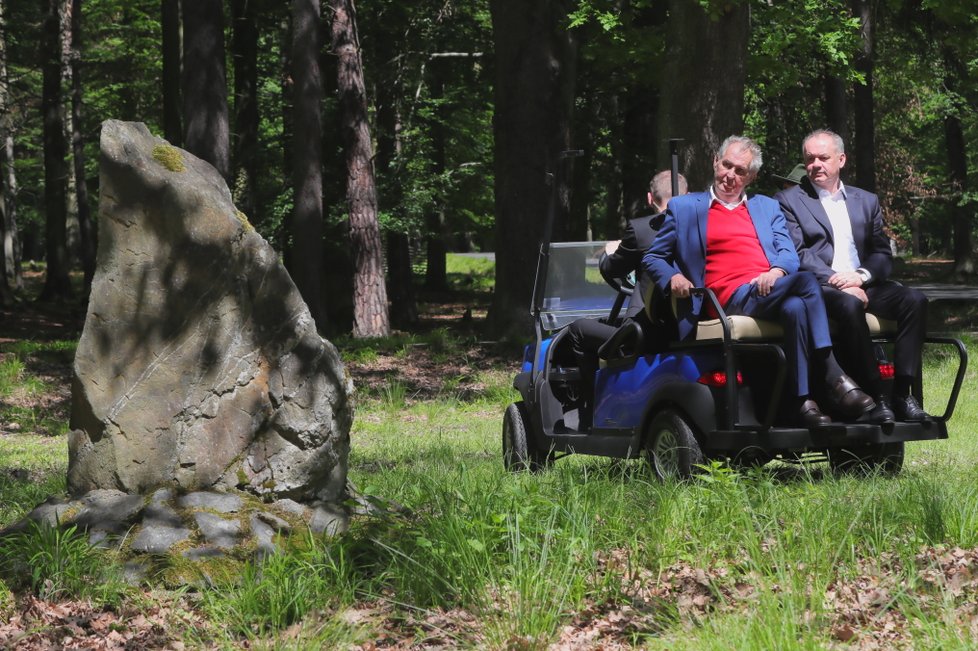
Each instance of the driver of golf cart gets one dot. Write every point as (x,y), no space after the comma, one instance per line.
(620,260)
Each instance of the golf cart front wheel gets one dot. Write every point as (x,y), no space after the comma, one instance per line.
(671,447)
(519,453)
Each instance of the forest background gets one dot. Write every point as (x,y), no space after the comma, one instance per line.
(372,142)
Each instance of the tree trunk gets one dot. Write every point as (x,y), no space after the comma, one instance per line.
(436,270)
(534,91)
(957,158)
(836,107)
(171,48)
(244,53)
(72,228)
(56,282)
(864,151)
(86,232)
(307,183)
(205,103)
(370,310)
(705,74)
(10,269)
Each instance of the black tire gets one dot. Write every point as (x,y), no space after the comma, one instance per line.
(671,447)
(882,458)
(519,451)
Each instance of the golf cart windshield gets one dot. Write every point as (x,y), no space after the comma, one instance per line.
(574,287)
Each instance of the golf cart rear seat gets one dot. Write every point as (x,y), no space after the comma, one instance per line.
(745,328)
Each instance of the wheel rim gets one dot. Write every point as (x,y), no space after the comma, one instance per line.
(665,453)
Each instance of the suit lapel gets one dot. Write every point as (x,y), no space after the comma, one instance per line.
(859,224)
(814,206)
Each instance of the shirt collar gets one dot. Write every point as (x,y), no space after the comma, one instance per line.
(728,206)
(825,194)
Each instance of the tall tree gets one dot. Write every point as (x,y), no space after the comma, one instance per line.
(864,151)
(86,232)
(205,101)
(244,54)
(56,281)
(10,244)
(370,310)
(708,51)
(534,91)
(170,35)
(306,260)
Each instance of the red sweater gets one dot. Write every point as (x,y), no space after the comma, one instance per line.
(734,255)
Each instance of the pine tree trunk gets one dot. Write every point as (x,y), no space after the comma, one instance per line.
(56,282)
(244,54)
(370,309)
(863,105)
(535,54)
(436,276)
(705,74)
(957,159)
(86,231)
(205,103)
(307,183)
(10,269)
(171,48)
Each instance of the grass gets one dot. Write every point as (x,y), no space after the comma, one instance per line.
(592,552)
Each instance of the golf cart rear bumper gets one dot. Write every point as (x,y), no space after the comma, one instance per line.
(833,436)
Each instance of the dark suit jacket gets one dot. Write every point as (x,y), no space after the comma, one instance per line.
(681,245)
(627,258)
(812,233)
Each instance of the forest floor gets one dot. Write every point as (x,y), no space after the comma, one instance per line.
(417,368)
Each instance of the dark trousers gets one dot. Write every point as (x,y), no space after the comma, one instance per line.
(796,303)
(853,347)
(586,336)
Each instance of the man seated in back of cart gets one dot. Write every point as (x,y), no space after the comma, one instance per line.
(621,258)
(739,247)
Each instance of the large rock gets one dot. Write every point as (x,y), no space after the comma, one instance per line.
(199,365)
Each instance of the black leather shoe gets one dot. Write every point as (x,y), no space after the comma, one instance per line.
(811,416)
(850,399)
(881,414)
(907,408)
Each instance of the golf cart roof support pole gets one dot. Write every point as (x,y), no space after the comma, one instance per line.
(674,164)
(543,260)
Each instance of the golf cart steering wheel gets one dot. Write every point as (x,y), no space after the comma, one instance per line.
(624,285)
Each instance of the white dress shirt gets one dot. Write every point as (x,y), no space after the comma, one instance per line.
(845,257)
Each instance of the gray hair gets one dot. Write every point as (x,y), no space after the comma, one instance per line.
(661,187)
(745,143)
(836,140)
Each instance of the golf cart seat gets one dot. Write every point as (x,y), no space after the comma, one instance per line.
(745,328)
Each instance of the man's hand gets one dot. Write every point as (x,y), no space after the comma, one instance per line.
(680,285)
(846,279)
(766,280)
(611,247)
(859,293)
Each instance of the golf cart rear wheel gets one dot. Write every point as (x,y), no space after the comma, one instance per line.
(671,447)
(882,458)
(519,452)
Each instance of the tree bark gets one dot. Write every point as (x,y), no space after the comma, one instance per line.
(957,159)
(10,270)
(864,151)
(205,104)
(836,107)
(171,48)
(56,282)
(705,74)
(86,232)
(436,270)
(370,310)
(535,73)
(244,54)
(307,183)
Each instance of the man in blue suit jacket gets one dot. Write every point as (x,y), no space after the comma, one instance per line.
(741,249)
(838,231)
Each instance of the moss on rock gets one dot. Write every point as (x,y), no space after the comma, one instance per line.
(169,157)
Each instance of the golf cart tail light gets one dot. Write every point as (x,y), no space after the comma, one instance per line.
(718,379)
(886,371)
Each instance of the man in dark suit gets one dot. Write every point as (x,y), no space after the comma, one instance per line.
(838,231)
(618,261)
(740,248)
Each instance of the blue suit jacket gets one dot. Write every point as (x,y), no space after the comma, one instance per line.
(680,246)
(812,232)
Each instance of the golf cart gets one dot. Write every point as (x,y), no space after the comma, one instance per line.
(681,403)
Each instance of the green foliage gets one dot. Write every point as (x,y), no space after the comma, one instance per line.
(55,562)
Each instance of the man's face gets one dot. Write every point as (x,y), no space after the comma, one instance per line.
(823,162)
(731,172)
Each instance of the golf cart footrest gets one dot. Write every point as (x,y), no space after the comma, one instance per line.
(834,435)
